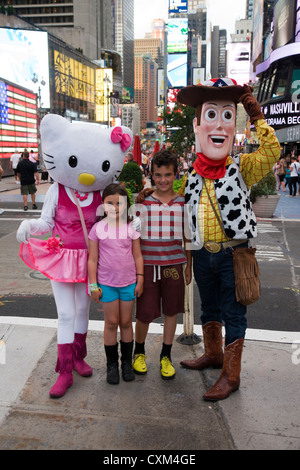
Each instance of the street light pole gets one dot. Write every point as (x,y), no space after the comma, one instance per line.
(107,82)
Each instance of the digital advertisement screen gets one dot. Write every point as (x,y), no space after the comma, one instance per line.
(177,35)
(284,22)
(24,60)
(178,6)
(177,70)
(238,61)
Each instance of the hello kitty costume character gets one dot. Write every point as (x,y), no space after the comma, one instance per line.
(83,159)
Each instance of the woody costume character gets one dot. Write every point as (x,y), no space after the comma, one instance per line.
(217,195)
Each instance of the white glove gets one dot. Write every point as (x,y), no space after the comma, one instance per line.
(24,231)
(136,224)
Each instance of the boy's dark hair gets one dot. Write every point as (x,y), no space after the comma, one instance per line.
(117,188)
(164,158)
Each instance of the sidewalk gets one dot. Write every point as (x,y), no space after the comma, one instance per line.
(149,414)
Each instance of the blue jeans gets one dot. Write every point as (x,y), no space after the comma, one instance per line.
(214,276)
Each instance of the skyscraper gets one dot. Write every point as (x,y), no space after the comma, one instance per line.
(123,17)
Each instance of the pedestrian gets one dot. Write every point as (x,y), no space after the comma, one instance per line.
(28,175)
(145,163)
(217,189)
(33,157)
(288,177)
(13,163)
(295,168)
(129,157)
(116,275)
(95,157)
(162,234)
(1,173)
(281,171)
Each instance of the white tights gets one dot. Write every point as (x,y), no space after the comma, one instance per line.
(72,304)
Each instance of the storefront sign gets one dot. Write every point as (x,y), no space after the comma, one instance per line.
(289,134)
(282,114)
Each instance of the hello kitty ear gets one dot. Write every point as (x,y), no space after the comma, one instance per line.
(51,125)
(118,136)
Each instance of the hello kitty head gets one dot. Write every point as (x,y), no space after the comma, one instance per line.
(82,155)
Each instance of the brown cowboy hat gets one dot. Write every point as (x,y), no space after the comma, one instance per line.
(214,89)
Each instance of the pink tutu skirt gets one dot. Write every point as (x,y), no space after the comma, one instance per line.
(55,262)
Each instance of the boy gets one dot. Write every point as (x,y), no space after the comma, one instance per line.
(161,243)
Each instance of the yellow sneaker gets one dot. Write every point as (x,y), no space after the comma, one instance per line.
(139,364)
(166,368)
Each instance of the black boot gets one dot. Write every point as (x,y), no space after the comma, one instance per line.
(126,359)
(112,364)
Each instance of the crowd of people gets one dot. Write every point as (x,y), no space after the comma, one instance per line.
(287,173)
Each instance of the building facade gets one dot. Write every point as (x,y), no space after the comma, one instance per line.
(84,24)
(145,75)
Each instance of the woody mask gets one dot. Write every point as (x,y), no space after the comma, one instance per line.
(216,129)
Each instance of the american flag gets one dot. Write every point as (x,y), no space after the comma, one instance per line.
(18,119)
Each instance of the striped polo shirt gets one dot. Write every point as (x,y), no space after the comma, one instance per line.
(162,230)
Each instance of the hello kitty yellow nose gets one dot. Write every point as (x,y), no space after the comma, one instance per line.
(87,179)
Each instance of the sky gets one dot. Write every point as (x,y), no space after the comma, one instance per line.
(222,13)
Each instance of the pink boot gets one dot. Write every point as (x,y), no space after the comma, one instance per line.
(79,353)
(65,367)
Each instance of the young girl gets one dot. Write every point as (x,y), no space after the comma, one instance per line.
(116,275)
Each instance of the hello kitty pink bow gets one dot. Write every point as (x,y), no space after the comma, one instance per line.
(117,136)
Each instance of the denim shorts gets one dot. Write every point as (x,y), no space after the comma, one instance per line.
(109,293)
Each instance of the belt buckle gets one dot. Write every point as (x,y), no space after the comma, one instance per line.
(212,247)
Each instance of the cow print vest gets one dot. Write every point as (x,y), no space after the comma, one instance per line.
(233,198)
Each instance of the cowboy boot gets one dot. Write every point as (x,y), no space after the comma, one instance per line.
(213,355)
(79,353)
(64,366)
(126,361)
(229,380)
(112,364)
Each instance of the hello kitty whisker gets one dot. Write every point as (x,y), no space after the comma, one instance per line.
(51,156)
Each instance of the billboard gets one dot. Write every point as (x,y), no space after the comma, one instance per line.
(160,87)
(104,87)
(198,75)
(284,22)
(24,60)
(178,6)
(258,19)
(177,70)
(73,78)
(177,29)
(18,119)
(297,28)
(238,61)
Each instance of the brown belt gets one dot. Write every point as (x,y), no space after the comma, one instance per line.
(214,247)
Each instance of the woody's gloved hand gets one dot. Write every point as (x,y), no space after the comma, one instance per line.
(251,105)
(143,194)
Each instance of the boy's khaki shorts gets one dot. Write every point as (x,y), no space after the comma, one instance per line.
(164,295)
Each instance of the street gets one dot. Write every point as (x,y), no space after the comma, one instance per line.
(28,293)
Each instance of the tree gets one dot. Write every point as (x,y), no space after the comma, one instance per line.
(179,126)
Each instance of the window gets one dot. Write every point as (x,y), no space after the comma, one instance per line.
(280,84)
